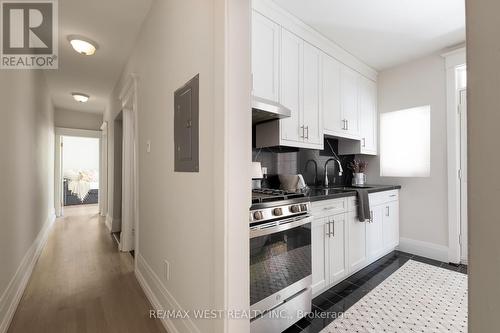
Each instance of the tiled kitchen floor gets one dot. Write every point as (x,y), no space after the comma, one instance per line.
(336,300)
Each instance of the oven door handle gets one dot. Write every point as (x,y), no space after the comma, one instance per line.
(280,227)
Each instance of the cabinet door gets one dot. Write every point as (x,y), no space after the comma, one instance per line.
(368,115)
(330,95)
(311,111)
(265,57)
(338,262)
(357,242)
(374,233)
(349,100)
(319,243)
(391,224)
(291,92)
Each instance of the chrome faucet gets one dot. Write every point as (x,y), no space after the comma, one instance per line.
(315,170)
(326,168)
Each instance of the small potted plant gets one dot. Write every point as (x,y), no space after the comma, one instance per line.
(358,168)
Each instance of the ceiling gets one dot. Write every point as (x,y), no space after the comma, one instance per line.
(384,33)
(114,25)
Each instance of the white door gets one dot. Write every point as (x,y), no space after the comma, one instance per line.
(357,242)
(319,243)
(349,100)
(291,92)
(311,111)
(265,57)
(330,95)
(374,233)
(368,114)
(463,175)
(338,265)
(391,224)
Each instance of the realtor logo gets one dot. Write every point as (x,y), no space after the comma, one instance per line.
(29,34)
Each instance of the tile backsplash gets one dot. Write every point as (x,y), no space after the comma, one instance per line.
(279,160)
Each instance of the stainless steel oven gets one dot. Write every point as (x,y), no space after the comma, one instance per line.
(280,266)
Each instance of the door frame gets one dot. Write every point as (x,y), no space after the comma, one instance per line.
(454,60)
(58,178)
(128,99)
(103,176)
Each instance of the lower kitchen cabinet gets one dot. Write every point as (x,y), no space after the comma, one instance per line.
(329,257)
(374,233)
(356,242)
(342,245)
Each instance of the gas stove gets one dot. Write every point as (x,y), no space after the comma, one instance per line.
(271,205)
(269,195)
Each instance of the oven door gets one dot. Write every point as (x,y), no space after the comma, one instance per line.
(280,262)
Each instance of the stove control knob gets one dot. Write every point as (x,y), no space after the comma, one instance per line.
(258,216)
(303,207)
(277,212)
(295,209)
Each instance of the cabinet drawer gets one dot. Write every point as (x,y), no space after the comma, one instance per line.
(329,207)
(383,197)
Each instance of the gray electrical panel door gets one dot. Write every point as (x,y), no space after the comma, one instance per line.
(186,127)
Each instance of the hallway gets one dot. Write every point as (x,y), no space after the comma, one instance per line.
(81,283)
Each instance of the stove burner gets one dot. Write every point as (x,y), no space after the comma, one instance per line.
(270,195)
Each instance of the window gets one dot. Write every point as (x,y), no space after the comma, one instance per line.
(405,138)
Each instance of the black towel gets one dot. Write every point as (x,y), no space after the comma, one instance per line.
(363,205)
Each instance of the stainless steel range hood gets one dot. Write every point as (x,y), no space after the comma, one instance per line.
(264,110)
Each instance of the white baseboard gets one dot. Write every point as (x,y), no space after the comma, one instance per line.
(160,298)
(12,295)
(424,249)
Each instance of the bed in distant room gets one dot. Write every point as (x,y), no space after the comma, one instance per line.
(80,187)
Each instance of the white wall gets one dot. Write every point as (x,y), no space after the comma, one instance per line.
(80,153)
(483,56)
(423,212)
(26,175)
(77,119)
(183,216)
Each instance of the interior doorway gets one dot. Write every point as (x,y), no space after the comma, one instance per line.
(78,154)
(116,227)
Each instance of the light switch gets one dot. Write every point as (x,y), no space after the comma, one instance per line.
(148,146)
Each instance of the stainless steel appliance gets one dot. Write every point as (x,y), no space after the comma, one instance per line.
(264,110)
(280,260)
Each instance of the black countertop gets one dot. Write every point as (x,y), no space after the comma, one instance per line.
(320,193)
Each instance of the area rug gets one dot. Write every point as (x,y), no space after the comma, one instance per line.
(417,297)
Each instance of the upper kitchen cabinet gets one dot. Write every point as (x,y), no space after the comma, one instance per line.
(265,57)
(300,92)
(349,101)
(330,97)
(368,115)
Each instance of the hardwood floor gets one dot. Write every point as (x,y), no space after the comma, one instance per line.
(81,283)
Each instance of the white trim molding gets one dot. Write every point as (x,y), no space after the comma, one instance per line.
(453,59)
(424,249)
(11,297)
(160,298)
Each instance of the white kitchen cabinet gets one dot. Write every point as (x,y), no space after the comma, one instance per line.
(300,92)
(368,121)
(319,244)
(391,224)
(292,130)
(375,233)
(312,115)
(338,263)
(329,251)
(349,100)
(357,242)
(330,96)
(265,57)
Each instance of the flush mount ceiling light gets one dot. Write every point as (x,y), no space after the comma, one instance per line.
(81,98)
(83,45)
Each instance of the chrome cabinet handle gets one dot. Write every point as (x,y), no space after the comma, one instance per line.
(329,229)
(333,228)
(347,124)
(302,131)
(388,211)
(364,142)
(307,133)
(344,127)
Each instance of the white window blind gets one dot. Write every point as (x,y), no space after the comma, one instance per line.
(405,143)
